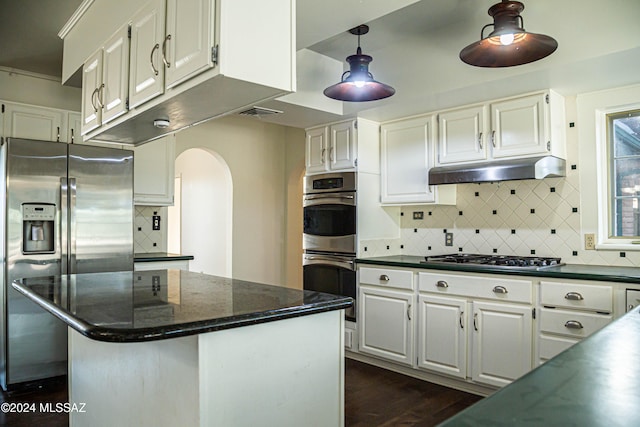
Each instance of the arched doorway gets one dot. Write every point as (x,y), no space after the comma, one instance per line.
(200,222)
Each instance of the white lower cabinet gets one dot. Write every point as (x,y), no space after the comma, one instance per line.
(386,326)
(502,335)
(442,338)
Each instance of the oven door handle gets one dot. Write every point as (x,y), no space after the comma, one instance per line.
(329,260)
(323,199)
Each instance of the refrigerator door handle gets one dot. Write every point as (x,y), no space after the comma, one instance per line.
(64,218)
(72,226)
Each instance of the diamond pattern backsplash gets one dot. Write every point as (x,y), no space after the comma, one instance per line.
(529,217)
(145,239)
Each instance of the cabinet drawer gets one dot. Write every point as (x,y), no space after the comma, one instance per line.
(552,346)
(586,297)
(571,323)
(389,278)
(477,287)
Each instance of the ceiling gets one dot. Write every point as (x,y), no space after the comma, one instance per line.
(415,46)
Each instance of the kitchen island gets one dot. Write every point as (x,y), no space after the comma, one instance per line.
(171,347)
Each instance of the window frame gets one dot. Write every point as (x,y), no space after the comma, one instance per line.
(605,189)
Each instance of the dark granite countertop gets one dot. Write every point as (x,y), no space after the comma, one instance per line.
(160,256)
(594,383)
(568,271)
(134,306)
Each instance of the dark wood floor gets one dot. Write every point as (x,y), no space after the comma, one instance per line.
(377,397)
(373,397)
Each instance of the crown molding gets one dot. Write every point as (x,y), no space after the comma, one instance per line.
(81,10)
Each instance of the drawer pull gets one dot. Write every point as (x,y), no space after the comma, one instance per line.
(574,296)
(384,278)
(573,324)
(500,290)
(442,284)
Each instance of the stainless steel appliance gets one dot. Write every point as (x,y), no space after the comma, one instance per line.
(65,209)
(329,235)
(496,261)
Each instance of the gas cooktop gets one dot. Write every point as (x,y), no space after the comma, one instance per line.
(496,261)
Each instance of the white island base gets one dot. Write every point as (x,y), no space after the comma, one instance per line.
(281,373)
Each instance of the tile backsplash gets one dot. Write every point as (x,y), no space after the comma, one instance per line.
(526,218)
(145,239)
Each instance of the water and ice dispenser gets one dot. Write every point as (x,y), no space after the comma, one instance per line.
(38,225)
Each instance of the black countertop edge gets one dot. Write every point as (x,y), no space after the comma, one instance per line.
(160,256)
(567,271)
(113,335)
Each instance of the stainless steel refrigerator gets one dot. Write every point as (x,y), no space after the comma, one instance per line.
(65,209)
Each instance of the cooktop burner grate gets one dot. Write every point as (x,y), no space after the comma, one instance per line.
(500,261)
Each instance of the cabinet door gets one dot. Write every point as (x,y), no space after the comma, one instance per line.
(342,149)
(91,83)
(153,172)
(316,150)
(115,75)
(501,342)
(190,29)
(406,156)
(442,337)
(518,127)
(31,122)
(146,73)
(385,322)
(462,135)
(74,127)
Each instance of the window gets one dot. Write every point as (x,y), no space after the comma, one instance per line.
(623,144)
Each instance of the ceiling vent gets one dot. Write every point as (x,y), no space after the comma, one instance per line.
(259,112)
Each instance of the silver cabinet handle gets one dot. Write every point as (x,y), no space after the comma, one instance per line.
(574,296)
(475,321)
(384,278)
(58,135)
(331,154)
(99,96)
(480,140)
(461,317)
(72,135)
(409,311)
(500,290)
(442,284)
(493,138)
(324,150)
(164,51)
(153,67)
(93,96)
(573,324)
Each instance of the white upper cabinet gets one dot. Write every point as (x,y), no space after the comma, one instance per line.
(525,126)
(148,43)
(462,135)
(331,148)
(32,122)
(189,39)
(518,126)
(153,172)
(104,82)
(406,154)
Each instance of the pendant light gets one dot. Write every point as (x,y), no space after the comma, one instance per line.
(508,44)
(357,84)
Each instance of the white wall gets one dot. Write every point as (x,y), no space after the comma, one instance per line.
(34,89)
(256,153)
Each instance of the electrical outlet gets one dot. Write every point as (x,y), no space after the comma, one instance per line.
(448,239)
(589,241)
(418,215)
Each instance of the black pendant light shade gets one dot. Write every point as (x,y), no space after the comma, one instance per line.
(508,44)
(358,84)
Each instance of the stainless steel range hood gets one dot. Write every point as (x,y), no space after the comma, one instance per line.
(499,170)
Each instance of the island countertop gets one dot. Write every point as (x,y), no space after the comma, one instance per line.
(135,306)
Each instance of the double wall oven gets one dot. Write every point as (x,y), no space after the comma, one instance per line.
(329,239)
